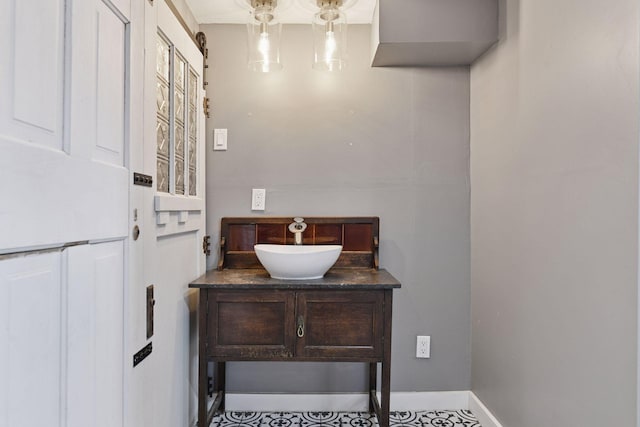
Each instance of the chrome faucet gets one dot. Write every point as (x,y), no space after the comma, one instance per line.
(297,227)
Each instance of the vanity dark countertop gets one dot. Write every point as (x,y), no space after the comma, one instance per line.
(336,278)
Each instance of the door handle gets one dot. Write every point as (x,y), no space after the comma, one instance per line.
(300,328)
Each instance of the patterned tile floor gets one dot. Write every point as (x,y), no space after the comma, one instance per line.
(460,418)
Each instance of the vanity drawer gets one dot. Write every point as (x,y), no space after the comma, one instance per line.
(295,324)
(250,325)
(340,324)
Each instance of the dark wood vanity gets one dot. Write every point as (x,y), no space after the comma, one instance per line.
(245,315)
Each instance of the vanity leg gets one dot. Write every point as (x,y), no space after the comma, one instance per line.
(218,389)
(383,420)
(202,392)
(203,375)
(373,385)
(220,382)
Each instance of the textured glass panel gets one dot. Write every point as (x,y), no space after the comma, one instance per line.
(162,135)
(192,182)
(179,175)
(179,72)
(192,122)
(193,91)
(179,141)
(192,154)
(179,155)
(192,128)
(163,175)
(162,99)
(162,58)
(179,105)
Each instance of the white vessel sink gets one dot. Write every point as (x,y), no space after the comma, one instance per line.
(292,262)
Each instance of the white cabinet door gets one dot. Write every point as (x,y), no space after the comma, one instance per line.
(31,340)
(65,126)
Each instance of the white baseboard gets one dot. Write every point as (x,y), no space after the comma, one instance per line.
(357,402)
(481,412)
(345,402)
(290,402)
(428,400)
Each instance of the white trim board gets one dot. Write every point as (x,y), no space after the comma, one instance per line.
(357,402)
(481,412)
(345,402)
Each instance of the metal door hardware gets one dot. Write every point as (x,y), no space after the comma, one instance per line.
(142,354)
(136,232)
(142,179)
(206,245)
(206,106)
(151,302)
(300,329)
(201,41)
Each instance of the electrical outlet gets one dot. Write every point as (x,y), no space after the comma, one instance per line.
(258,199)
(423,346)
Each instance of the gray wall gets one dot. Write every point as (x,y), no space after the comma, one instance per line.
(385,142)
(554,172)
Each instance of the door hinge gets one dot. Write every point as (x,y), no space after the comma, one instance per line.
(206,245)
(206,106)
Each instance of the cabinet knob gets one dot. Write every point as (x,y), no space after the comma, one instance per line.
(300,329)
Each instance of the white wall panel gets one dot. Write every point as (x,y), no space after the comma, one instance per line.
(50,198)
(95,372)
(31,291)
(36,53)
(174,341)
(110,86)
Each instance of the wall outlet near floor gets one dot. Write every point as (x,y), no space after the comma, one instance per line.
(423,346)
(258,199)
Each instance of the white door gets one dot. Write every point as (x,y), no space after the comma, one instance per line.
(65,131)
(171,218)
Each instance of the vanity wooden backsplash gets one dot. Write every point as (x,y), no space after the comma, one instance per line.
(359,237)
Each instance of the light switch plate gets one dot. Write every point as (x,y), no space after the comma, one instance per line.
(219,140)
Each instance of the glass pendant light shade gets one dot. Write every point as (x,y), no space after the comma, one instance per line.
(329,37)
(264,37)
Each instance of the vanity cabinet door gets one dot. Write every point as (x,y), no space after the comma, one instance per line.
(339,324)
(250,325)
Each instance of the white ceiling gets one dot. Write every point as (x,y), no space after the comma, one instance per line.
(289,11)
